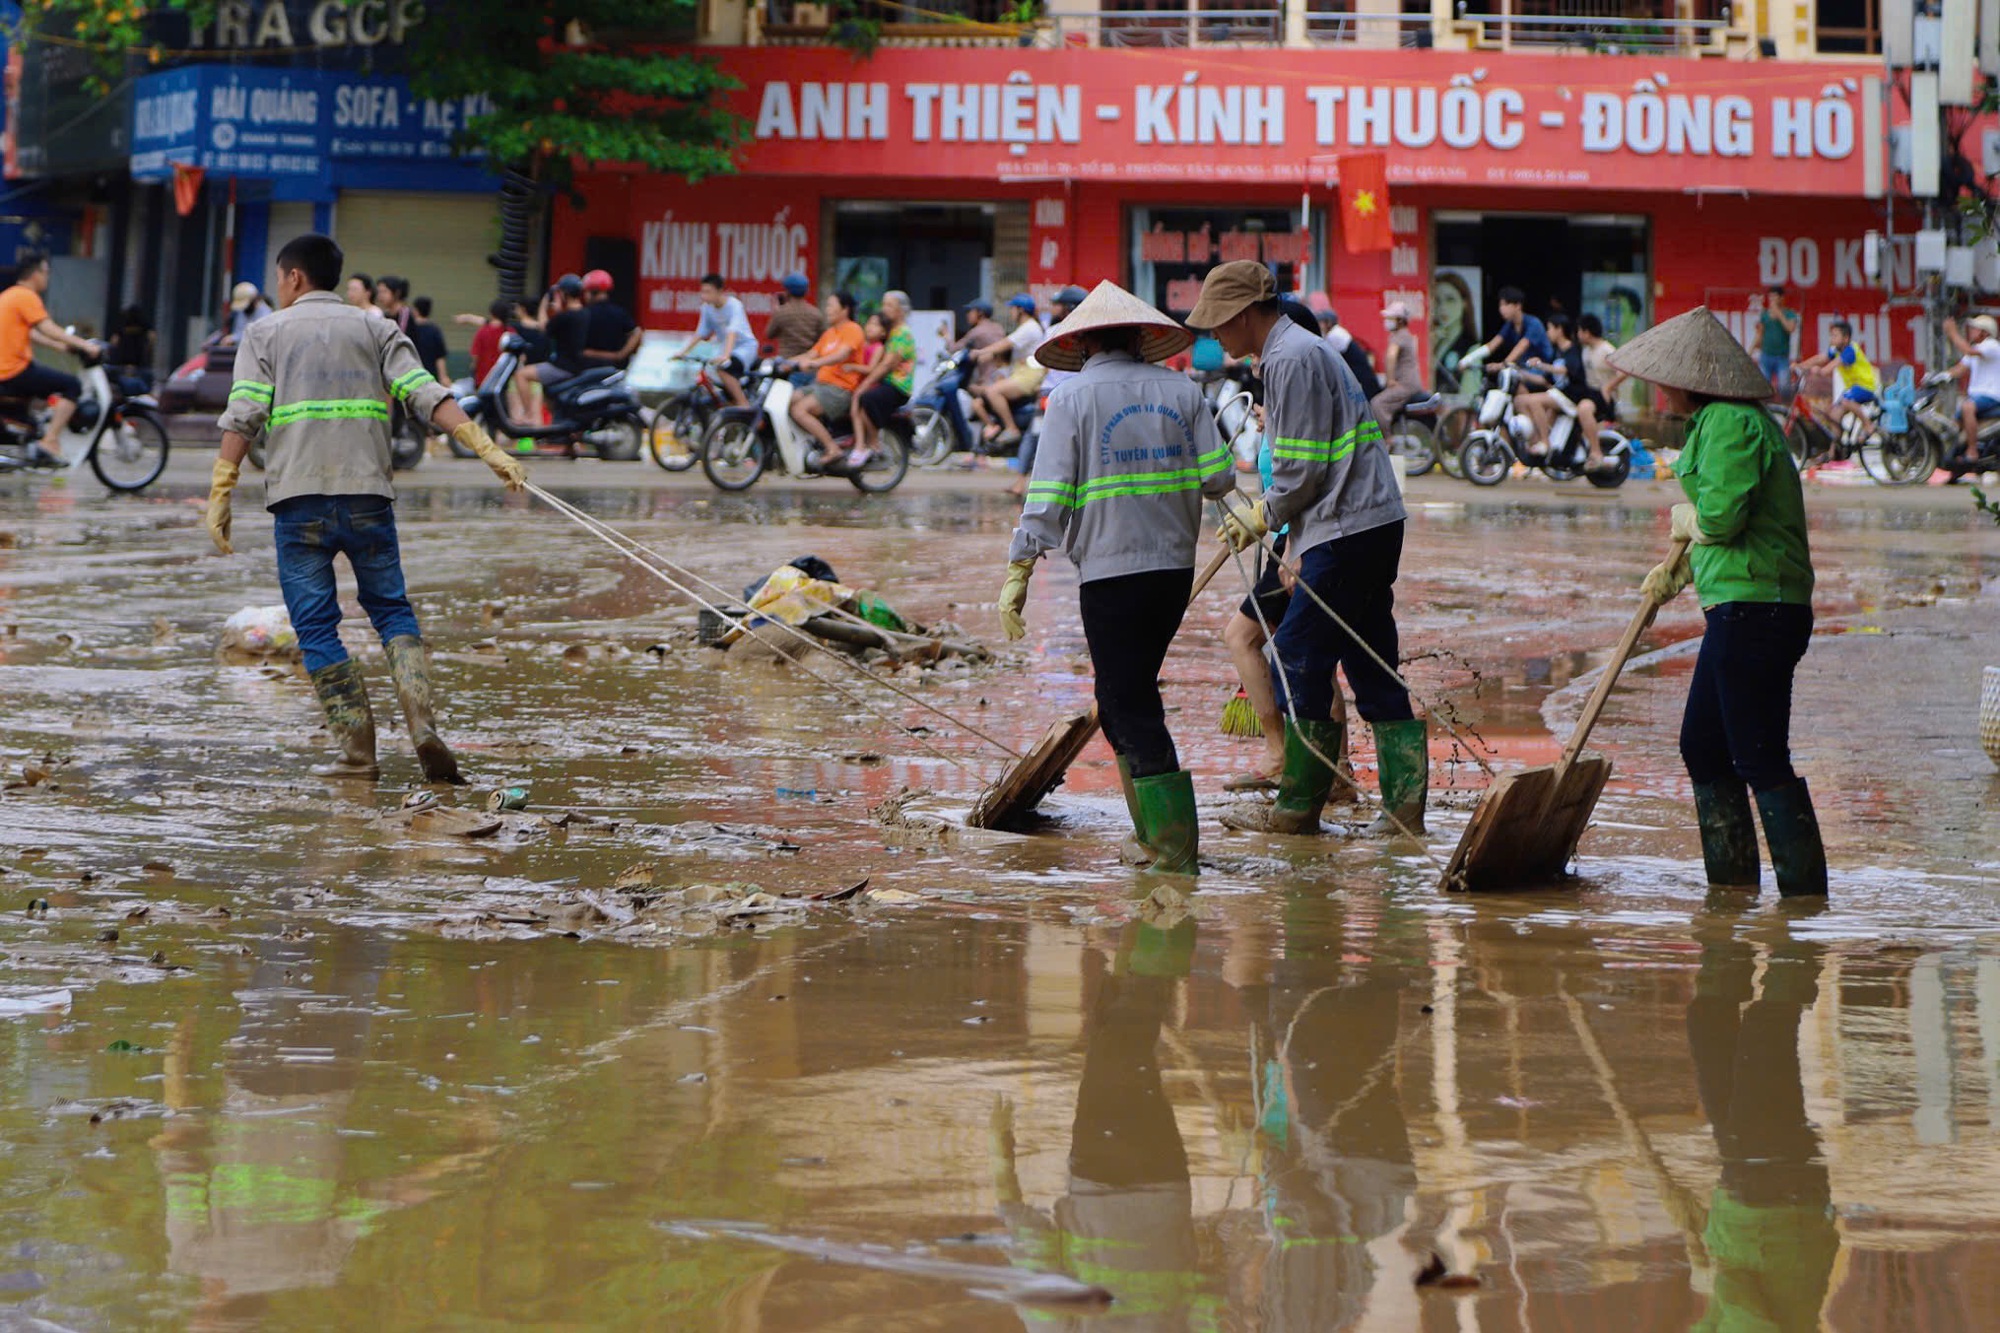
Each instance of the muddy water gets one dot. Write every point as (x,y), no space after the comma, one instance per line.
(336,1068)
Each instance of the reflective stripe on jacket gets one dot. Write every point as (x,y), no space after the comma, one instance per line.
(1331,472)
(318,378)
(1128,452)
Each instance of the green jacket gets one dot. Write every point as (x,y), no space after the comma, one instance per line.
(1740,478)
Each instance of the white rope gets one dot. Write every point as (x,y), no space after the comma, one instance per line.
(624,546)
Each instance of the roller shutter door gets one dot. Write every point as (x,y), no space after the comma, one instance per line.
(438,241)
(288,219)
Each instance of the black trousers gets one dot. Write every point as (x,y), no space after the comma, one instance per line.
(1129,622)
(1738,721)
(1356,576)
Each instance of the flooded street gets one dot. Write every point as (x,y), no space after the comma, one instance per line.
(716,1033)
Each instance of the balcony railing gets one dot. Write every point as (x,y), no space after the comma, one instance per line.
(1632,30)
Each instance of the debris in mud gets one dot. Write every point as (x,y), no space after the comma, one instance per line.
(258,634)
(102,1109)
(640,876)
(34,1002)
(733,837)
(507,798)
(1435,1274)
(865,758)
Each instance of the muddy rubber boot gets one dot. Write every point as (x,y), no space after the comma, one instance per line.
(1166,821)
(1728,834)
(1403,764)
(1134,850)
(1798,857)
(1307,779)
(343,696)
(411,666)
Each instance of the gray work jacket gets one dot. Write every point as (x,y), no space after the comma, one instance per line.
(1331,471)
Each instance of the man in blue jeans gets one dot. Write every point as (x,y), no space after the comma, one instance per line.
(318,377)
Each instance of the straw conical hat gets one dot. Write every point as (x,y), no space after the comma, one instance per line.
(1112,307)
(1695,353)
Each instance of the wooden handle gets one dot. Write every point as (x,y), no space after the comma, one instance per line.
(1640,621)
(1214,567)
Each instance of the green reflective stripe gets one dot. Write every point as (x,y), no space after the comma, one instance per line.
(1106,488)
(1327,451)
(1097,484)
(406,384)
(251,389)
(1215,462)
(330,409)
(1062,486)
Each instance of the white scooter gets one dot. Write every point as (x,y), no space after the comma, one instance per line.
(743,442)
(1505,437)
(123,438)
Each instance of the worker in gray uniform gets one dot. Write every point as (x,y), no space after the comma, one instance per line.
(1333,481)
(1129,449)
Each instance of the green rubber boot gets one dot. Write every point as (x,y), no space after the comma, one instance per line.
(1798,857)
(1131,797)
(343,696)
(411,666)
(1728,834)
(1307,779)
(1166,821)
(1403,763)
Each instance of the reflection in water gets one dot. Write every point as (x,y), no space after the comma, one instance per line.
(1770,1231)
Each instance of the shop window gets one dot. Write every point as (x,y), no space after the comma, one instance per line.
(942,255)
(1173,247)
(1847,27)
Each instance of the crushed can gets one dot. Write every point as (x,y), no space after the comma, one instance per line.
(507,798)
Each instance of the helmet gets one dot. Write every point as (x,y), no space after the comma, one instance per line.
(1072,297)
(980,305)
(796,285)
(570,285)
(1022,301)
(597,280)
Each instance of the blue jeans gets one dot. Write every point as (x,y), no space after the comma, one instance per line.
(1776,368)
(1738,721)
(313,529)
(1356,576)
(947,394)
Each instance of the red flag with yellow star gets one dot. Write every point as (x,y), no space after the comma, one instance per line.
(1364,202)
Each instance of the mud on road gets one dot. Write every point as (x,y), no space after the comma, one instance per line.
(284,1055)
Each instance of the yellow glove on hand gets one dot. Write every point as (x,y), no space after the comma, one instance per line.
(1014,599)
(1243,525)
(1665,580)
(1687,527)
(474,437)
(218,518)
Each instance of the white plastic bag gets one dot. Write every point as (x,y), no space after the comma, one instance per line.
(262,631)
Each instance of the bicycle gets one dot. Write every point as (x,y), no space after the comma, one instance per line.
(681,423)
(1815,435)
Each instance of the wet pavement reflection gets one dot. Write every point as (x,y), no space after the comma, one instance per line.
(317,1068)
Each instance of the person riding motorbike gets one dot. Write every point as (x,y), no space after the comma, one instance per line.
(887,384)
(1404,368)
(994,404)
(1979,367)
(835,365)
(1568,373)
(24,321)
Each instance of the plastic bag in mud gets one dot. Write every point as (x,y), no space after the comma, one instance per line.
(260,631)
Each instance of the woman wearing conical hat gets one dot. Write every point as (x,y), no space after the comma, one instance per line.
(1749,563)
(1128,451)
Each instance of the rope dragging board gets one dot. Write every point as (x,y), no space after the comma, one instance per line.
(1528,824)
(1040,771)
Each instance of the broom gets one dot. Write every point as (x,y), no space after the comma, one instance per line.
(1239,718)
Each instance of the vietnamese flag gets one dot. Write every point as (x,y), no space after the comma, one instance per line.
(1364,202)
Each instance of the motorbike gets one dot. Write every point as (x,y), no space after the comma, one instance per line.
(938,425)
(124,438)
(594,408)
(1412,434)
(1504,437)
(745,442)
(680,422)
(1943,427)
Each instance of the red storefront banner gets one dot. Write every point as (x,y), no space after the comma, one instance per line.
(1285,117)
(751,232)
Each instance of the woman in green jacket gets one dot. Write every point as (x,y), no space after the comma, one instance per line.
(1746,521)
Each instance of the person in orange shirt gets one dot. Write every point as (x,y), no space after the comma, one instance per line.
(837,359)
(24,321)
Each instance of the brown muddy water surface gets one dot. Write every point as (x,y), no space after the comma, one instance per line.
(277,1056)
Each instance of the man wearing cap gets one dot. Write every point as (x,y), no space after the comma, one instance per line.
(1129,448)
(1751,567)
(1333,482)
(1404,373)
(994,404)
(1979,366)
(796,324)
(611,336)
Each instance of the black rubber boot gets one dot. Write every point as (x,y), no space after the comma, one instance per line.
(343,696)
(411,666)
(1728,834)
(1798,857)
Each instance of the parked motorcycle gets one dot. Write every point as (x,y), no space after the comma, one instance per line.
(1505,437)
(123,438)
(744,442)
(594,408)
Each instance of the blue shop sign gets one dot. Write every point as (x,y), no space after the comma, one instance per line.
(301,126)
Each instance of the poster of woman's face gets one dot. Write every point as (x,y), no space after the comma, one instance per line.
(1454,317)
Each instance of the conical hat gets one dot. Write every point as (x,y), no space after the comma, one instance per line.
(1695,353)
(1112,307)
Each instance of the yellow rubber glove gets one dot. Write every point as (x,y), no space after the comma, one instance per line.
(1687,527)
(1243,525)
(1014,599)
(1664,581)
(474,437)
(221,481)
